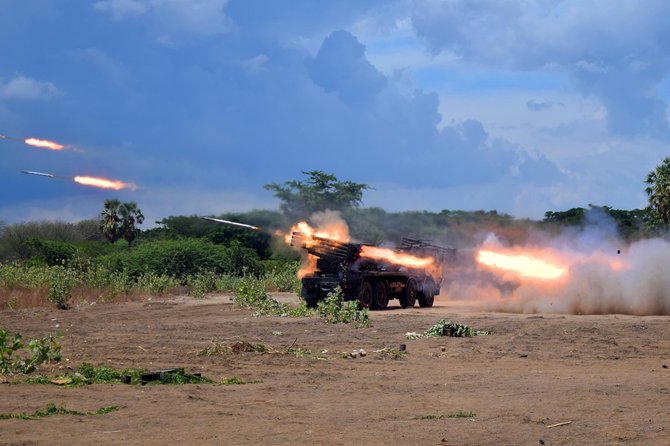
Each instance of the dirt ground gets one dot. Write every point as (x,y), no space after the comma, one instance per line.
(606,375)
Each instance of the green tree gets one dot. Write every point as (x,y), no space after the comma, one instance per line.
(658,192)
(119,220)
(320,191)
(131,216)
(110,220)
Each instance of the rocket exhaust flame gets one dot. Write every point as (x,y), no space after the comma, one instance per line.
(102,183)
(43,144)
(36,142)
(522,264)
(395,257)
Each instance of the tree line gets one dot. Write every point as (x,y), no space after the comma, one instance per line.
(319,191)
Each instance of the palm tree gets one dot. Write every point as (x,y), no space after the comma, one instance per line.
(658,191)
(131,216)
(109,220)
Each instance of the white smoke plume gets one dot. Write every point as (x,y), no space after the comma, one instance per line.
(604,276)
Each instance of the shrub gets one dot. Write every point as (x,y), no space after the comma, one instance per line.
(41,351)
(183,258)
(335,310)
(282,276)
(63,280)
(202,283)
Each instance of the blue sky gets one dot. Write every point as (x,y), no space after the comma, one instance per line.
(521,106)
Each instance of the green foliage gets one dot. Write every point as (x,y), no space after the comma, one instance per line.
(63,280)
(448,328)
(234,381)
(53,252)
(391,353)
(52,409)
(89,374)
(41,350)
(201,284)
(335,310)
(631,225)
(432,417)
(119,220)
(182,258)
(282,276)
(658,192)
(251,294)
(176,227)
(447,228)
(462,414)
(14,238)
(216,348)
(321,191)
(180,377)
(99,374)
(157,284)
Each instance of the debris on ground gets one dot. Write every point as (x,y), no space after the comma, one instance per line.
(447,328)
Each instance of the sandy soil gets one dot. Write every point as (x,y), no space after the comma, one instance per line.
(606,375)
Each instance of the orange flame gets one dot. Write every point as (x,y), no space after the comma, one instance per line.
(335,231)
(104,183)
(522,264)
(395,257)
(44,144)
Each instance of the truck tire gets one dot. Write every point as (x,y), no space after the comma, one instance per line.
(408,298)
(427,294)
(426,299)
(311,303)
(365,294)
(380,298)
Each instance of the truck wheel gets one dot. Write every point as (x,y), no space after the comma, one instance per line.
(426,299)
(380,299)
(311,303)
(427,295)
(408,298)
(365,294)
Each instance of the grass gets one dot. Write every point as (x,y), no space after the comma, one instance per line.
(234,381)
(432,417)
(391,353)
(448,328)
(51,409)
(459,414)
(462,414)
(217,348)
(88,374)
(23,285)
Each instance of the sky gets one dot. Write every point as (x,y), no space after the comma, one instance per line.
(518,106)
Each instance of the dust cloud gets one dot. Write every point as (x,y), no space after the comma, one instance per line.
(603,276)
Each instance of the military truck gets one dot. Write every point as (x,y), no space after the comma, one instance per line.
(372,282)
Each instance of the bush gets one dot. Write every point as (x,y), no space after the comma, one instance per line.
(335,310)
(52,252)
(282,276)
(63,280)
(183,258)
(41,351)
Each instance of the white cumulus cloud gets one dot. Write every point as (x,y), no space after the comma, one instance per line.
(23,87)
